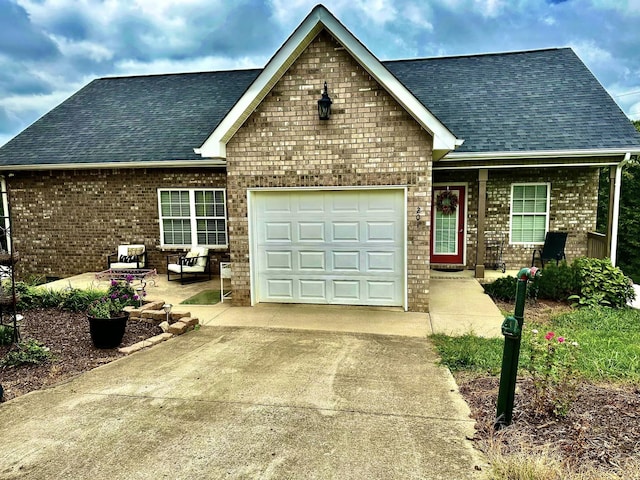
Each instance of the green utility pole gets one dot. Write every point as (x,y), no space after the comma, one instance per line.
(512,331)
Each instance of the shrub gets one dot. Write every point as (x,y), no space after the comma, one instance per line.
(551,364)
(6,335)
(29,352)
(600,283)
(503,288)
(556,282)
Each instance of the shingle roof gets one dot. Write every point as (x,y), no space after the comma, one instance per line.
(535,100)
(131,119)
(523,101)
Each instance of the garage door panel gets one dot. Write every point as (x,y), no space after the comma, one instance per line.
(277,232)
(280,289)
(313,290)
(381,232)
(344,202)
(336,247)
(311,232)
(380,261)
(346,261)
(345,232)
(276,260)
(380,290)
(346,290)
(312,260)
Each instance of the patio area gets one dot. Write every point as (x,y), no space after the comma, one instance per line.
(458,306)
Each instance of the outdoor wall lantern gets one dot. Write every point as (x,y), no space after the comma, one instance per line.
(324,105)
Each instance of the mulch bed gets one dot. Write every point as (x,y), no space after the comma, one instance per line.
(67,336)
(601,430)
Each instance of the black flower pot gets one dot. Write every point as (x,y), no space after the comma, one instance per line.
(107,332)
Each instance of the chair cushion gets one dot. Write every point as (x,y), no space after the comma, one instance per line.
(123,265)
(176,268)
(188,261)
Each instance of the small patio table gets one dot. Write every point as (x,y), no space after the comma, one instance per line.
(143,275)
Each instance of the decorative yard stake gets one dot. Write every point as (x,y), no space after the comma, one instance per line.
(512,331)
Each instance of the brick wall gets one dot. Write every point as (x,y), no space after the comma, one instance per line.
(573,208)
(66,222)
(369,140)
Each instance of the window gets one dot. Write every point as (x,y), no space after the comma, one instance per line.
(193,217)
(529,212)
(5,234)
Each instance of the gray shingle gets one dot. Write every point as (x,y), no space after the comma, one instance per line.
(539,100)
(131,119)
(536,100)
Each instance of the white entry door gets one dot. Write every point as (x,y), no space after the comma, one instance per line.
(335,247)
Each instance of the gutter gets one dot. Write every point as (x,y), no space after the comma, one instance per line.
(531,154)
(210,162)
(616,208)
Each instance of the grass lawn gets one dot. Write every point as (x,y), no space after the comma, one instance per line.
(206,297)
(609,343)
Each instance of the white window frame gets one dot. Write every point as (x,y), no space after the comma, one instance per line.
(4,215)
(193,217)
(512,213)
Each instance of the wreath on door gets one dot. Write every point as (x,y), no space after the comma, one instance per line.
(446,202)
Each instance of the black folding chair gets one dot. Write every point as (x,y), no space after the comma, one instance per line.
(553,248)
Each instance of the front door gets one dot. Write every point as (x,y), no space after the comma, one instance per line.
(447,220)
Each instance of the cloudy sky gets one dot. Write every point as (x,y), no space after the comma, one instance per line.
(51,48)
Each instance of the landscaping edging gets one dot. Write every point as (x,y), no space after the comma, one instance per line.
(179,322)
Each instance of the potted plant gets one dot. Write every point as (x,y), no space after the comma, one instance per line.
(107,318)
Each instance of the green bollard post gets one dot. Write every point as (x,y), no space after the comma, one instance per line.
(512,331)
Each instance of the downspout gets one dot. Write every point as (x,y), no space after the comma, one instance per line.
(616,208)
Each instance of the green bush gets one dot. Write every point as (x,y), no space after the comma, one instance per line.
(74,300)
(556,282)
(6,335)
(29,352)
(587,282)
(503,288)
(600,283)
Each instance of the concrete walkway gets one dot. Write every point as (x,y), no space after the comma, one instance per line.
(229,402)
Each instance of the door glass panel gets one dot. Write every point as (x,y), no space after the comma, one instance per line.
(445,234)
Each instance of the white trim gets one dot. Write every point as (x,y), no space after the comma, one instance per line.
(457,156)
(547,213)
(466,215)
(252,227)
(406,248)
(7,213)
(193,217)
(440,167)
(319,18)
(209,162)
(616,212)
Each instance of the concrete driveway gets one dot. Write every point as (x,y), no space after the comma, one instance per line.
(229,402)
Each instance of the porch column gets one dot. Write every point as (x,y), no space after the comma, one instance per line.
(483,175)
(612,189)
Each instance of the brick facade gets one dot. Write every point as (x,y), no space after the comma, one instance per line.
(66,222)
(573,208)
(370,140)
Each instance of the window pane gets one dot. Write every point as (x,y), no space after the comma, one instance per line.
(177,232)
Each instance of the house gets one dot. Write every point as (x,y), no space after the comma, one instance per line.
(422,163)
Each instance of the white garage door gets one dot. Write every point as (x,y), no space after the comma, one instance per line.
(336,247)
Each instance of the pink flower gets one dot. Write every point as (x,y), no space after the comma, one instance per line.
(560,339)
(549,336)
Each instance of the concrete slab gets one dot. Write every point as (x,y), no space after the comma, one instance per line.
(459,305)
(249,403)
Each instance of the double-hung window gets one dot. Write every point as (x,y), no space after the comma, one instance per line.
(193,216)
(529,212)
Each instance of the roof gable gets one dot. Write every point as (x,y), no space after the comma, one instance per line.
(320,18)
